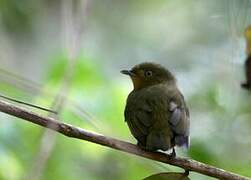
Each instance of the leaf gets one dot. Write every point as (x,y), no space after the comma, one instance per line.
(167,176)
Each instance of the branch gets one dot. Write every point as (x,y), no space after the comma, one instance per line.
(78,133)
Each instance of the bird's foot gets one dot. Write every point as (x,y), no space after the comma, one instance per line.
(186,173)
(173,154)
(141,146)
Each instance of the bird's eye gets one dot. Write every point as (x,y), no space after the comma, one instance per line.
(148,73)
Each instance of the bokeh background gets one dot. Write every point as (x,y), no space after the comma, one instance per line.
(66,55)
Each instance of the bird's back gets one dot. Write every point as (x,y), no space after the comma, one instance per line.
(149,117)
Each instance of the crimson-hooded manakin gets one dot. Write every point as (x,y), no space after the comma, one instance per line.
(155,111)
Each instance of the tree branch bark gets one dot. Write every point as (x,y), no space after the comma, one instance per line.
(78,133)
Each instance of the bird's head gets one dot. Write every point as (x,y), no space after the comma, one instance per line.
(148,74)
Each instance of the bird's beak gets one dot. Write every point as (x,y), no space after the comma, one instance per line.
(127,72)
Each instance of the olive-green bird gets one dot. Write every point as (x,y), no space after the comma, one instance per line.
(155,111)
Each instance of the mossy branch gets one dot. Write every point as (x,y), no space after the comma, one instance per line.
(78,133)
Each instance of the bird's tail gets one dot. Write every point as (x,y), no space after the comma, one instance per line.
(158,141)
(182,141)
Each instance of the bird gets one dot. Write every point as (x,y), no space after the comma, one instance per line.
(247,65)
(155,111)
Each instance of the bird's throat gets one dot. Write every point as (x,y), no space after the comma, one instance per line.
(137,83)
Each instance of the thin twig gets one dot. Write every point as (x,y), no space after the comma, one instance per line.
(32,87)
(78,133)
(27,104)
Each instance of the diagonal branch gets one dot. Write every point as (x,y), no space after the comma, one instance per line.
(78,133)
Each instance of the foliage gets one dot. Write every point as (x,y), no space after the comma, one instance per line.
(199,41)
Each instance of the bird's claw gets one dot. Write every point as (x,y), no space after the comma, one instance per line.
(173,154)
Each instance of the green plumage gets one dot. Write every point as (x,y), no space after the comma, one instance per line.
(155,111)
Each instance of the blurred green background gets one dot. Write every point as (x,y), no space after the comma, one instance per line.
(66,55)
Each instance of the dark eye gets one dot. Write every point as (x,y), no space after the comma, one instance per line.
(148,73)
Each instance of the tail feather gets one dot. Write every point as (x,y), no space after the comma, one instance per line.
(158,141)
(182,141)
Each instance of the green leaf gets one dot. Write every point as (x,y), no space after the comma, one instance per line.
(167,176)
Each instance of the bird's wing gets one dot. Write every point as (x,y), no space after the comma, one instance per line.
(179,120)
(138,115)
